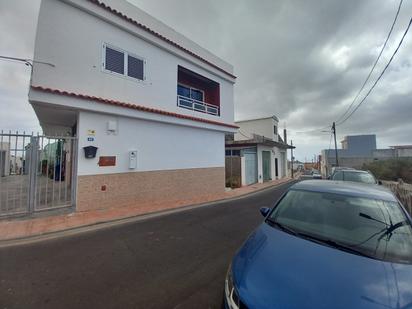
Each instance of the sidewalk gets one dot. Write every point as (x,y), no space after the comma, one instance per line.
(27,227)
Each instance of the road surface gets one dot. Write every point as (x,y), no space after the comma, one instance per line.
(172,261)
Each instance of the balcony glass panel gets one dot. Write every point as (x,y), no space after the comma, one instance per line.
(199,107)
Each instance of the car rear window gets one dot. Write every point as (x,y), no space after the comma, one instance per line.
(359,177)
(375,227)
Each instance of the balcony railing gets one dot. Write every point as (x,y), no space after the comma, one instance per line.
(198,106)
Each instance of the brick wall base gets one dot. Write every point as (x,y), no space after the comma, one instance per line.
(154,190)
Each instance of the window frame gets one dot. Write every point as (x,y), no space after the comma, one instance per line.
(192,88)
(126,55)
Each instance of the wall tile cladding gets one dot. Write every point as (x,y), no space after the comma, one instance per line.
(160,189)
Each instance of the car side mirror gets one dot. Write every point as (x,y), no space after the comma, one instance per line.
(379,182)
(264,211)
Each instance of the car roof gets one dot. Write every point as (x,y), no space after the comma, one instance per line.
(340,168)
(352,171)
(346,188)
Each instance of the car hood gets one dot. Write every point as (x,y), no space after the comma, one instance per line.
(274,269)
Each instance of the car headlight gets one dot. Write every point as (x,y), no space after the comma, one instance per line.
(232,298)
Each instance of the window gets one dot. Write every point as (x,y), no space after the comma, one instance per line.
(189,92)
(122,62)
(338,176)
(135,67)
(370,226)
(275,130)
(114,60)
(233,152)
(196,94)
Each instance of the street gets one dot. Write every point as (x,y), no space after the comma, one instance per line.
(172,261)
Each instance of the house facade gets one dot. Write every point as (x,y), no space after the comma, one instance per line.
(149,107)
(263,151)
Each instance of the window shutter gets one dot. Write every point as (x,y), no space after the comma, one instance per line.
(114,60)
(135,67)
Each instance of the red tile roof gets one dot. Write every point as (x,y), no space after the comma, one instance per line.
(131,106)
(160,36)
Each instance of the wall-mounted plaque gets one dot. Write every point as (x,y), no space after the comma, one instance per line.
(107,161)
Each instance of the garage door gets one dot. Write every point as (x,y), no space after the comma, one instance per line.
(251,168)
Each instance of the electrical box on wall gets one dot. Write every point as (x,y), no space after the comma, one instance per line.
(132,159)
(112,127)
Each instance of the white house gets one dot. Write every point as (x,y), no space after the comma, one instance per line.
(154,104)
(263,150)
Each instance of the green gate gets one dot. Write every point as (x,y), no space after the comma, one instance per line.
(266,165)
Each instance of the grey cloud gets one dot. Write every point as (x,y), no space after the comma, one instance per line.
(301,60)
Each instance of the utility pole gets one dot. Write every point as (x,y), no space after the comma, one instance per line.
(291,157)
(336,147)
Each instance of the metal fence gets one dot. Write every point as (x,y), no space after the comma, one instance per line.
(37,172)
(403,191)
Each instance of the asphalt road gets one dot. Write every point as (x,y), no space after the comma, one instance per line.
(172,261)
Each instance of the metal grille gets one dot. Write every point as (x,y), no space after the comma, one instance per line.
(114,60)
(135,67)
(37,172)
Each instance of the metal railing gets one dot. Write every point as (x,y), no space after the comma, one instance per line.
(197,106)
(403,191)
(36,172)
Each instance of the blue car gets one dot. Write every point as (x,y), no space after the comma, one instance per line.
(326,244)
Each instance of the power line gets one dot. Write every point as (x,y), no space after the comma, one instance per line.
(374,65)
(240,131)
(24,60)
(314,130)
(380,76)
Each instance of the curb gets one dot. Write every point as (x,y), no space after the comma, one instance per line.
(116,222)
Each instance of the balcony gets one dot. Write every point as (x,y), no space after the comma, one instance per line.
(197,93)
(197,106)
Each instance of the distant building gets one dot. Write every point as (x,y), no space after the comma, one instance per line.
(263,151)
(401,151)
(358,150)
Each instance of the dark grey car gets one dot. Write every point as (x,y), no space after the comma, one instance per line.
(354,176)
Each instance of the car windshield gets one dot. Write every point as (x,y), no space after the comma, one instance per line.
(372,227)
(354,176)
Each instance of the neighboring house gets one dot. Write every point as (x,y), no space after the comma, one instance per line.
(358,150)
(154,104)
(16,165)
(297,165)
(400,151)
(263,151)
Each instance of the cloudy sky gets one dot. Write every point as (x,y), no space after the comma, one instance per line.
(303,61)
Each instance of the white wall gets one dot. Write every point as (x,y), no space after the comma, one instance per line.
(407,152)
(72,40)
(263,127)
(160,146)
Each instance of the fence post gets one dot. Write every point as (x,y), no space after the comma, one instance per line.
(73,161)
(34,140)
